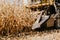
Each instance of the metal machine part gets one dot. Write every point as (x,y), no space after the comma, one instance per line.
(57,15)
(38,24)
(52,10)
(57,2)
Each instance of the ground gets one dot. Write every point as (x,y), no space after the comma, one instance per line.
(42,35)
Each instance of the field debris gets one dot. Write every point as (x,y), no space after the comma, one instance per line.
(43,35)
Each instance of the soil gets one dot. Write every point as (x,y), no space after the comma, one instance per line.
(35,35)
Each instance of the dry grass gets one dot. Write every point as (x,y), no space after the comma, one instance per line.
(14,19)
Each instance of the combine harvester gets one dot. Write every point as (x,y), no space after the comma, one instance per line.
(48,13)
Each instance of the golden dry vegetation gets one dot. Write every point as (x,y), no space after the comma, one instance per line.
(15,18)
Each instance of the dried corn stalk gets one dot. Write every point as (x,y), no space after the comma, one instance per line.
(14,19)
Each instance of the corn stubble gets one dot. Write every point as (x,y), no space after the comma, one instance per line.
(14,19)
